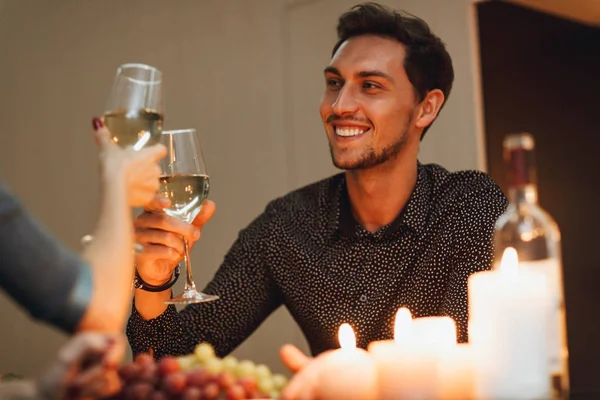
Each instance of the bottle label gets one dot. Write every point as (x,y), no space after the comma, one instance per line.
(557,331)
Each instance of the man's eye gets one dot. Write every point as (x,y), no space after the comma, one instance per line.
(370,85)
(334,83)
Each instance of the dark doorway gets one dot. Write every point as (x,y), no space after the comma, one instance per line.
(541,74)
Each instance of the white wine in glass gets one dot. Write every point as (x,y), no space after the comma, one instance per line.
(185,183)
(134,111)
(186,192)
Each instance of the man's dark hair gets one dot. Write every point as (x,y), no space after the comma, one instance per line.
(427,63)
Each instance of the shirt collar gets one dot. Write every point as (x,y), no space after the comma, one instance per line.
(413,216)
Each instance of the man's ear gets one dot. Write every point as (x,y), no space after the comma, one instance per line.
(429,108)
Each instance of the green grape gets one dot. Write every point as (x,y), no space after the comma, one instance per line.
(279,381)
(265,385)
(245,368)
(204,352)
(214,366)
(274,394)
(262,371)
(187,362)
(230,364)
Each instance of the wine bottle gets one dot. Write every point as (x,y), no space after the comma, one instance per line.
(532,231)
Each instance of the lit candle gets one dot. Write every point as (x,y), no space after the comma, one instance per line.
(448,364)
(348,373)
(404,369)
(434,345)
(508,319)
(391,355)
(415,364)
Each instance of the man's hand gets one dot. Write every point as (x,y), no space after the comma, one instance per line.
(293,358)
(305,383)
(162,237)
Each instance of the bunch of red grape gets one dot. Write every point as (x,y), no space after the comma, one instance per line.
(200,376)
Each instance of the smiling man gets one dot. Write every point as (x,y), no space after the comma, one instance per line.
(385,233)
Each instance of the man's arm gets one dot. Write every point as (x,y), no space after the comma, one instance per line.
(472,250)
(248,295)
(162,236)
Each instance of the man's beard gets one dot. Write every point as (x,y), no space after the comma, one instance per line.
(371,157)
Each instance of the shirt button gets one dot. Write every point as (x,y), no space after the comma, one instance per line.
(363,297)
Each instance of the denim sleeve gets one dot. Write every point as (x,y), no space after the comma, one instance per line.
(51,282)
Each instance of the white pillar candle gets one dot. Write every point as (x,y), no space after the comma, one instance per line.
(434,339)
(508,319)
(407,366)
(437,333)
(348,373)
(452,364)
(392,356)
(455,374)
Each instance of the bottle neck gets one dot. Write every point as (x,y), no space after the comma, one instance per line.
(524,194)
(522,179)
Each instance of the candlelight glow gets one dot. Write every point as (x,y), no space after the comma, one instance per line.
(346,337)
(403,326)
(510,262)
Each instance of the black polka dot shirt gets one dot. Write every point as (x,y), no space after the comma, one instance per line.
(307,253)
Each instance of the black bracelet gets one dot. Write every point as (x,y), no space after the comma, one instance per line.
(139,283)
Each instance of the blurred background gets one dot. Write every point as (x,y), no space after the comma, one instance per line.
(247,74)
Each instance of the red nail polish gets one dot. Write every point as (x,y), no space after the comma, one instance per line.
(97,123)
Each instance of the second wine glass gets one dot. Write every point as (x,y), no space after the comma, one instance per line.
(185,183)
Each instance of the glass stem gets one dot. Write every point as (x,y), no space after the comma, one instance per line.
(189,281)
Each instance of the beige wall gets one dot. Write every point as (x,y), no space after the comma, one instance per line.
(245,73)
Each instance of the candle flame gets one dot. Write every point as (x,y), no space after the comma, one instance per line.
(510,262)
(346,337)
(403,325)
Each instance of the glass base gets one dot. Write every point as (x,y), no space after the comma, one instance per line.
(192,297)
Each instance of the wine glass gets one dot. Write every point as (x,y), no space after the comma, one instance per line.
(185,183)
(134,112)
(135,108)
